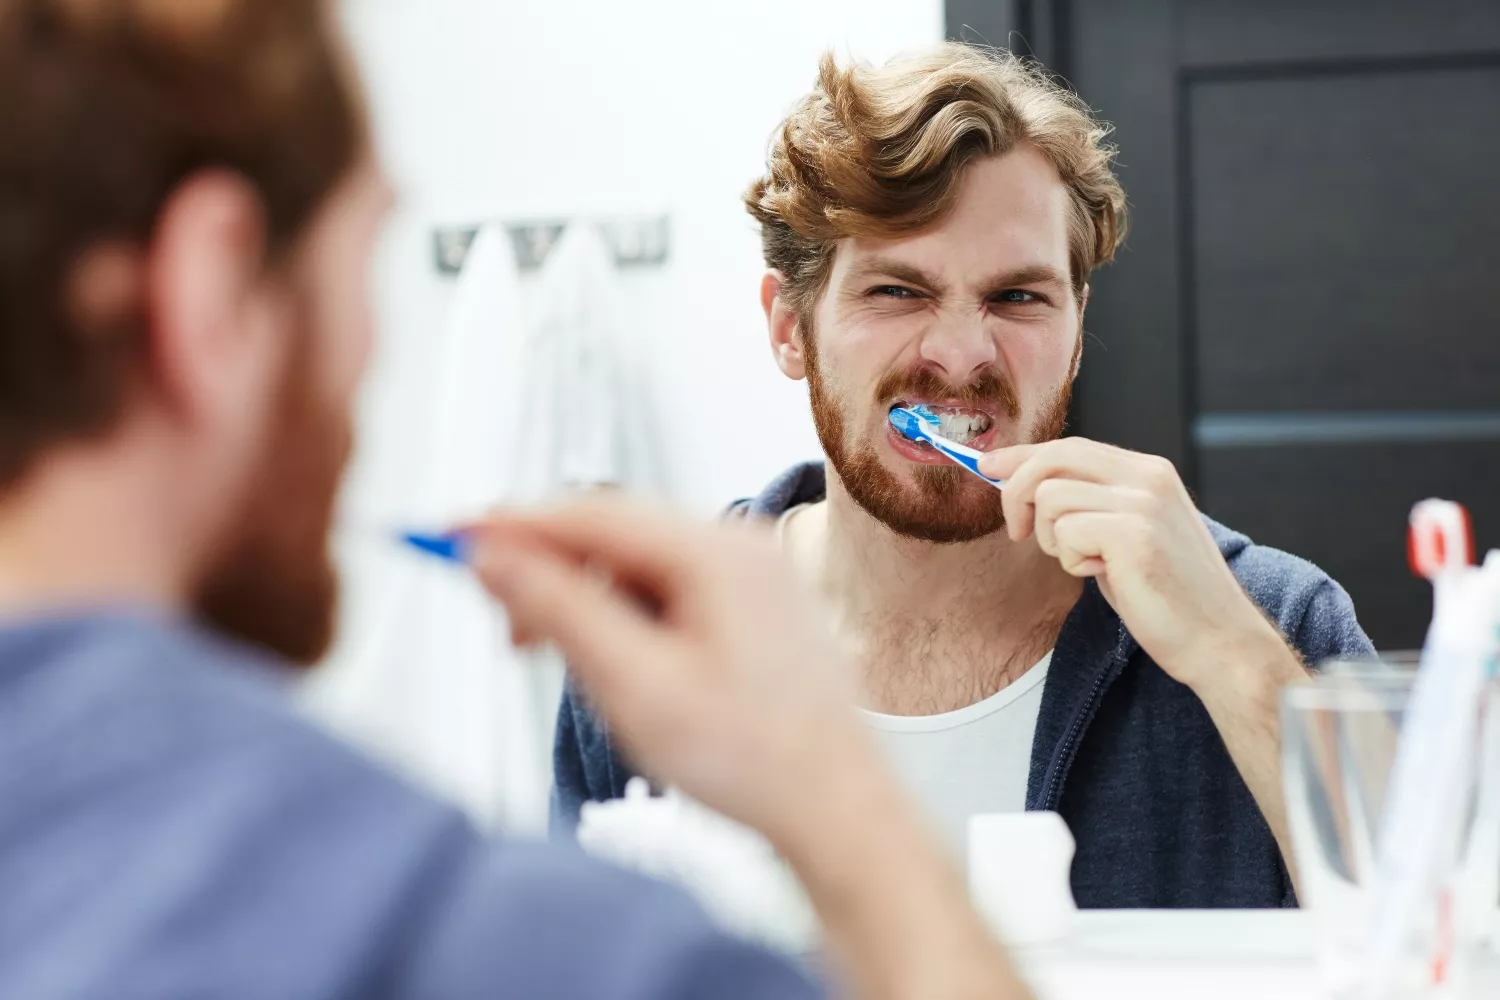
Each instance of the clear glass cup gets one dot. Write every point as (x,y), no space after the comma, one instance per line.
(1338,745)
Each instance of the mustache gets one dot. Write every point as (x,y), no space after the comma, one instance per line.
(991,387)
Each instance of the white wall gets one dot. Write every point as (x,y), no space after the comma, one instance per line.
(488,109)
(499,110)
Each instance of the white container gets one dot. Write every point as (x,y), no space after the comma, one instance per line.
(733,872)
(1019,875)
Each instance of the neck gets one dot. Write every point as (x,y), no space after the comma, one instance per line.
(85,531)
(939,626)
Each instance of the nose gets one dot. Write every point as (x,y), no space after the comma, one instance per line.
(960,346)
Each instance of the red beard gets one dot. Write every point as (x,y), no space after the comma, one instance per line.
(946,503)
(274,582)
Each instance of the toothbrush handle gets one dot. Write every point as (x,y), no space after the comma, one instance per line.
(968,458)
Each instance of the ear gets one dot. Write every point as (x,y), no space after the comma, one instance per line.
(213,336)
(783,325)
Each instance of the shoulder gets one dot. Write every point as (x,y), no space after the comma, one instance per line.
(183,694)
(1307,604)
(159,779)
(1269,575)
(187,730)
(803,483)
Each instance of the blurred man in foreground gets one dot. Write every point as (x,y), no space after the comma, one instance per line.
(187,204)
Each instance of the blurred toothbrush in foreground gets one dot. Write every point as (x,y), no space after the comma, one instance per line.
(454,545)
(449,546)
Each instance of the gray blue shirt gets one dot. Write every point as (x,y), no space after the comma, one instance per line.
(170,828)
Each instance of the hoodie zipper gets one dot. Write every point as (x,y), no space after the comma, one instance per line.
(1063,759)
(1229,544)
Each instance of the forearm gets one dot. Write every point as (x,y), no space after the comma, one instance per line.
(895,911)
(1243,699)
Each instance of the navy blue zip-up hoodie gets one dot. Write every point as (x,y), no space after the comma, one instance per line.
(1128,756)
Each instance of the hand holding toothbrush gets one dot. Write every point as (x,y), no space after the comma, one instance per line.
(701,658)
(1125,519)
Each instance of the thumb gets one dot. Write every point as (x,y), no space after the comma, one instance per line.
(1002,463)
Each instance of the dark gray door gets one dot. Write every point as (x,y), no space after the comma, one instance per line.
(1306,317)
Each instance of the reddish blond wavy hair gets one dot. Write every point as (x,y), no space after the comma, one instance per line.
(880,152)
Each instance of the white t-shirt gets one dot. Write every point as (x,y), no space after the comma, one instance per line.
(968,762)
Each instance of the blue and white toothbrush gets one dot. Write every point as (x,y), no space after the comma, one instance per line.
(449,546)
(918,423)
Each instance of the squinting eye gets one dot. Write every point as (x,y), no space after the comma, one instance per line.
(893,292)
(1017,296)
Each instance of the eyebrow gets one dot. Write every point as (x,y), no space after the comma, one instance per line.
(1030,274)
(885,267)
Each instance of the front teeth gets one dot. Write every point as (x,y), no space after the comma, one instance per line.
(962,427)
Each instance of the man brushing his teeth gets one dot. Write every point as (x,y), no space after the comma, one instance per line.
(1083,641)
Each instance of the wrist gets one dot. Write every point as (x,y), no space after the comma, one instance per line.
(856,841)
(1248,662)
(850,799)
(894,908)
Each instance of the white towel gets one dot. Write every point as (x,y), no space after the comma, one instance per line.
(537,390)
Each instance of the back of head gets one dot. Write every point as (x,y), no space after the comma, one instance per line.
(106,107)
(881,152)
